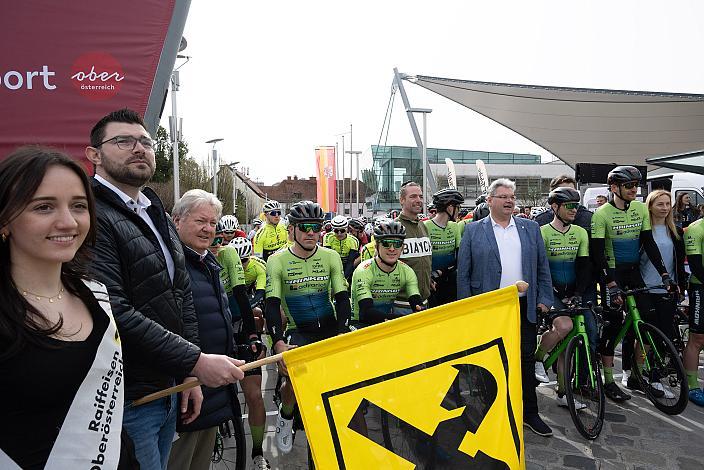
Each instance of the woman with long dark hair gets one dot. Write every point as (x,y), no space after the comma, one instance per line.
(60,356)
(685,212)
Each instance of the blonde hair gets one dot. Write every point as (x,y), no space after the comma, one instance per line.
(669,220)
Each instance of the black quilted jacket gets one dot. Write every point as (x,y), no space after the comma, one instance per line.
(155,317)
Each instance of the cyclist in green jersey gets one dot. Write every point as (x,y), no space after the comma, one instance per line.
(445,238)
(272,235)
(694,244)
(254,276)
(303,279)
(376,282)
(619,230)
(567,249)
(343,243)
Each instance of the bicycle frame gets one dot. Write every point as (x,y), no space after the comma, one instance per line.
(633,320)
(578,328)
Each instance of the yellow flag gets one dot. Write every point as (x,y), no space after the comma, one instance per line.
(436,389)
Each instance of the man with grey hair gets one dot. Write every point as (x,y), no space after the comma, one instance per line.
(139,258)
(417,248)
(496,252)
(195,215)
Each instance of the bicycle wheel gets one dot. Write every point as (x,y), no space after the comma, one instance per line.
(585,397)
(662,376)
(230,447)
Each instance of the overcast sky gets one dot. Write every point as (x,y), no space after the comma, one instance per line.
(276,79)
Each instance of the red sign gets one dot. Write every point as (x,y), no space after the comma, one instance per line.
(66,64)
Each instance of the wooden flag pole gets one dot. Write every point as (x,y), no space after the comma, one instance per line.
(185,386)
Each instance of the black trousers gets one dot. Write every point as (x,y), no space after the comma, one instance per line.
(528,344)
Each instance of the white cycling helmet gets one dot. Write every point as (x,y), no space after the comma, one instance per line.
(339,222)
(257,222)
(369,229)
(229,223)
(271,206)
(243,247)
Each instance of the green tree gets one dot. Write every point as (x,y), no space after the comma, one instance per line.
(164,157)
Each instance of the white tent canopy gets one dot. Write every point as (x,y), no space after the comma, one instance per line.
(585,125)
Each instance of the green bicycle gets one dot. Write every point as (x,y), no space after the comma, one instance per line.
(656,363)
(582,376)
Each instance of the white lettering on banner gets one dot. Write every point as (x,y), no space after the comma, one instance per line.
(417,247)
(14,80)
(92,76)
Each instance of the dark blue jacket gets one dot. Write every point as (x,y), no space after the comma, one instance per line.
(215,332)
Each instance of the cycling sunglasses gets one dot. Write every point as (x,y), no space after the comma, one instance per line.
(340,230)
(391,242)
(570,205)
(310,226)
(630,185)
(274,213)
(217,241)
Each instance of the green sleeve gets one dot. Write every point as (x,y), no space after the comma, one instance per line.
(326,239)
(693,240)
(411,281)
(337,274)
(261,276)
(598,225)
(361,283)
(583,249)
(646,217)
(258,245)
(230,261)
(273,277)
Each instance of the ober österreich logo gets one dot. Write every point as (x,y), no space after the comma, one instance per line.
(97,75)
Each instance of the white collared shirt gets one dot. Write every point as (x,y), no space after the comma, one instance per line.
(509,243)
(140,208)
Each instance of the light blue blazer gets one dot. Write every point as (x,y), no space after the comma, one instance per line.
(479,263)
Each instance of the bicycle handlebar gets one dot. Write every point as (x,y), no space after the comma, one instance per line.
(638,290)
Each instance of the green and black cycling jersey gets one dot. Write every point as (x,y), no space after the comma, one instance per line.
(304,287)
(618,235)
(568,256)
(694,245)
(445,241)
(374,290)
(255,279)
(232,277)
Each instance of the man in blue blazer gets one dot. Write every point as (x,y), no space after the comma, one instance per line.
(496,252)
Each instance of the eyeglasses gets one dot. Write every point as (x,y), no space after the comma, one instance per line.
(312,226)
(340,230)
(128,142)
(228,232)
(275,213)
(630,185)
(505,197)
(391,242)
(570,205)
(217,241)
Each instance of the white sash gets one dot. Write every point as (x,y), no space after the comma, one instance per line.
(90,435)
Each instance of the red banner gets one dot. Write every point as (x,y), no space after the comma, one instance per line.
(327,189)
(66,64)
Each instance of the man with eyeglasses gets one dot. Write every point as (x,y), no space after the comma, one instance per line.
(141,261)
(303,279)
(620,229)
(378,281)
(417,248)
(496,252)
(272,236)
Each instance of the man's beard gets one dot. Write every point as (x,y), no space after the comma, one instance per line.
(122,173)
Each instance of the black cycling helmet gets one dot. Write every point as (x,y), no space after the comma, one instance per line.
(389,229)
(563,195)
(219,228)
(481,199)
(624,174)
(447,197)
(305,211)
(480,212)
(356,224)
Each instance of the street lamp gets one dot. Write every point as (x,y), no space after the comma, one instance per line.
(356,153)
(424,157)
(215,163)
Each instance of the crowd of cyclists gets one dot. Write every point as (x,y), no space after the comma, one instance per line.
(310,278)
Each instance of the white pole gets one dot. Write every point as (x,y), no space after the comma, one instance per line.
(234,191)
(425,164)
(357,190)
(215,171)
(174,136)
(343,174)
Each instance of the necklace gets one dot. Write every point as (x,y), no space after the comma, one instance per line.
(51,299)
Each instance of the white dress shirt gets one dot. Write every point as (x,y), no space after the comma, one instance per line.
(140,207)
(509,244)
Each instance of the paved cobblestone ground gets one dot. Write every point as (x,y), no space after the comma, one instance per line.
(636,436)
